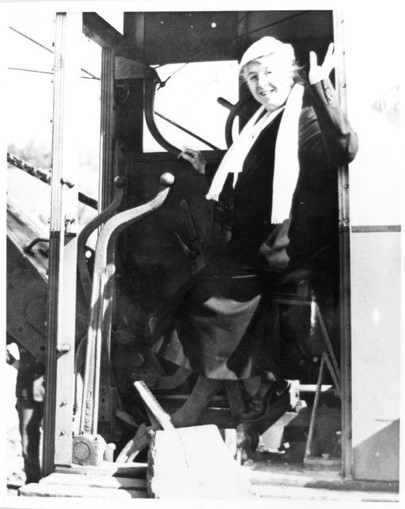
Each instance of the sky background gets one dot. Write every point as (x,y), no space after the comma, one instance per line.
(30,93)
(30,110)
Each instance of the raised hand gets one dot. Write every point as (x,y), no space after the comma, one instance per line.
(320,72)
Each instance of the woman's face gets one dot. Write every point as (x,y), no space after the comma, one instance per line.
(269,80)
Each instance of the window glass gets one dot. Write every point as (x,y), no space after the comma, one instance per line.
(189,98)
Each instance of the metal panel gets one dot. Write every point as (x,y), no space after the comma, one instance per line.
(190,37)
(204,36)
(375,349)
(63,246)
(375,177)
(306,30)
(344,258)
(26,301)
(373,106)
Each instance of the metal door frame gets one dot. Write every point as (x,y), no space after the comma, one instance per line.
(344,258)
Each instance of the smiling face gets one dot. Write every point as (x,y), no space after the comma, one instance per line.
(270,80)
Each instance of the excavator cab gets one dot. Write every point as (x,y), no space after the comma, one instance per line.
(169,80)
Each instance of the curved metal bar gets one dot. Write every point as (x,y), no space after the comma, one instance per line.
(84,235)
(150,90)
(235,110)
(100,300)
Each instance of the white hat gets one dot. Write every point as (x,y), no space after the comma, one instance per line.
(266,46)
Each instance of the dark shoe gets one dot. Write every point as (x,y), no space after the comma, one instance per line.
(259,408)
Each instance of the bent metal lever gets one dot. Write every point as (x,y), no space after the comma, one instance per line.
(100,302)
(84,235)
(150,89)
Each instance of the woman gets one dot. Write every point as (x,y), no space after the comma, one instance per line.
(281,176)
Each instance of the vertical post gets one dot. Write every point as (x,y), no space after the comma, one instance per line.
(108,171)
(62,246)
(134,30)
(107,128)
(132,117)
(344,255)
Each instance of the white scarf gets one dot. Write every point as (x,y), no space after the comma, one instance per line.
(286,166)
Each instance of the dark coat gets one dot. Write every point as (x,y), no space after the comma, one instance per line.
(220,326)
(326,141)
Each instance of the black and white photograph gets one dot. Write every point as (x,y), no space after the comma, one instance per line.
(202,266)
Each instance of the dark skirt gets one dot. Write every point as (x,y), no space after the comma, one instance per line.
(221,323)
